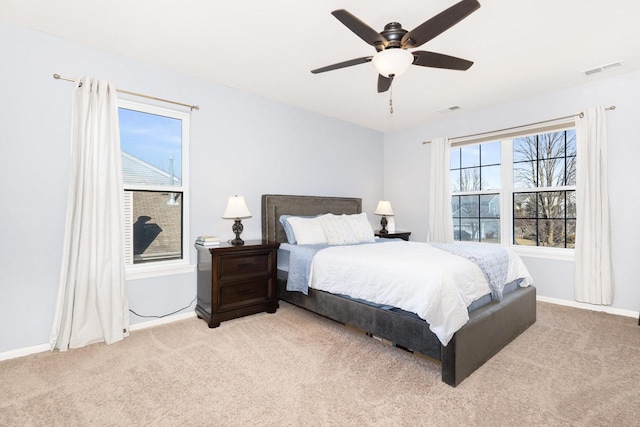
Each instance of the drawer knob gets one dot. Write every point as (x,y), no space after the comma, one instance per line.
(246,265)
(247,292)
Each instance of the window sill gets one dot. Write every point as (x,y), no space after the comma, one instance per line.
(146,271)
(541,252)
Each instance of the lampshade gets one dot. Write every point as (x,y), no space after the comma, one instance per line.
(384,208)
(236,208)
(392,61)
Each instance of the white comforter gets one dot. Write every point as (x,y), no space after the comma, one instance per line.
(413,276)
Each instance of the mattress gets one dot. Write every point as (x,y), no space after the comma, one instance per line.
(283,273)
(428,282)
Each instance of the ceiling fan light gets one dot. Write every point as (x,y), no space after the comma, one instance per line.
(392,61)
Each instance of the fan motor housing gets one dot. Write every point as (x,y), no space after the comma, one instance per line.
(393,32)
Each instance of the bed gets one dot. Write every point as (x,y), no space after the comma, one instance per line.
(489,328)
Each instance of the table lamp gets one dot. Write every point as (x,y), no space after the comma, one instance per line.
(384,209)
(236,209)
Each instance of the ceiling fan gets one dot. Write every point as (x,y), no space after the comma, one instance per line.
(392,44)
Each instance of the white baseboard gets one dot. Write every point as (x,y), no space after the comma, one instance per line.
(21,352)
(161,321)
(585,306)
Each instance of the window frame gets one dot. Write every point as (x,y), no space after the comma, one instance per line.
(175,266)
(508,188)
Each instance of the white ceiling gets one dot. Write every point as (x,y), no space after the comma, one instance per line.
(520,48)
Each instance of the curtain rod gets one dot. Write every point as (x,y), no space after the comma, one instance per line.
(581,115)
(192,107)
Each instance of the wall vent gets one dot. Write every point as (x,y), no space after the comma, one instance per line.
(603,68)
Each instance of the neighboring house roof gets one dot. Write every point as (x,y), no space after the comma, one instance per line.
(136,171)
(155,224)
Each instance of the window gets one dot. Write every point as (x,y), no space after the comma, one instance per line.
(544,197)
(521,186)
(154,143)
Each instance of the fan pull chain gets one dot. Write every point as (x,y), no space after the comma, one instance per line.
(391,99)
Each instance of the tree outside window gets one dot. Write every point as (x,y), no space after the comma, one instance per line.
(537,172)
(544,167)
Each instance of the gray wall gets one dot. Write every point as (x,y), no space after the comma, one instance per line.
(407,160)
(240,144)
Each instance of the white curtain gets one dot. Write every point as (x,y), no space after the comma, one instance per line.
(92,304)
(440,216)
(593,274)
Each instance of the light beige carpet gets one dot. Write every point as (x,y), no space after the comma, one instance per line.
(572,367)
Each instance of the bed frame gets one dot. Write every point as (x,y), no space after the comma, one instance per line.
(489,329)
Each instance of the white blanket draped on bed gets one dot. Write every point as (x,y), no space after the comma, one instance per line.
(432,283)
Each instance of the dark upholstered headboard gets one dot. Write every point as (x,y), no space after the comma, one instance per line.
(274,205)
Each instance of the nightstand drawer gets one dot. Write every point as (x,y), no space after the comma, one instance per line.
(243,265)
(243,292)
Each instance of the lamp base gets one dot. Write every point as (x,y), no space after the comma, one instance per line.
(237,228)
(237,242)
(383,224)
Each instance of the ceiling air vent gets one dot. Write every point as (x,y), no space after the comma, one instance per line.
(449,109)
(603,68)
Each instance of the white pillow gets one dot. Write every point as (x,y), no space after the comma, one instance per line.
(337,229)
(361,228)
(308,231)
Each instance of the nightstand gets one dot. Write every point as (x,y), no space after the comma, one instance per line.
(404,235)
(235,281)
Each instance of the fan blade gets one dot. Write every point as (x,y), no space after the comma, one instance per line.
(438,60)
(343,64)
(439,23)
(362,30)
(384,83)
